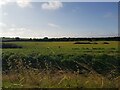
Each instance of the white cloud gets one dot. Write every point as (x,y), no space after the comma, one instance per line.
(13,25)
(53,25)
(3,2)
(23,3)
(17,29)
(20,32)
(52,5)
(12,31)
(5,13)
(2,24)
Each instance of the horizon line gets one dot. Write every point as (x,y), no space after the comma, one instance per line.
(60,37)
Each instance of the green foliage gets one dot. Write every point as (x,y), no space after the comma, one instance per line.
(102,64)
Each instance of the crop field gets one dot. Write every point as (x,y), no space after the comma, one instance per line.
(70,64)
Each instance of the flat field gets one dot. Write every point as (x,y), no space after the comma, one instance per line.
(65,47)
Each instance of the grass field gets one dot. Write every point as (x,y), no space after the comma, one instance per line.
(65,48)
(61,64)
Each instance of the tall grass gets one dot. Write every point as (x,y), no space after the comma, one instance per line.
(59,79)
(60,71)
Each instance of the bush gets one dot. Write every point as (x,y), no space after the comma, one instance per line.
(105,43)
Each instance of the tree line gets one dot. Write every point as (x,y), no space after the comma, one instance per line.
(4,39)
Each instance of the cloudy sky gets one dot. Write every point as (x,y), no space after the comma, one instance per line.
(58,19)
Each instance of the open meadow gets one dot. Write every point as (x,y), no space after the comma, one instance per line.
(60,44)
(64,47)
(70,64)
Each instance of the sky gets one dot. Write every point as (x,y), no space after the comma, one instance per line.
(58,19)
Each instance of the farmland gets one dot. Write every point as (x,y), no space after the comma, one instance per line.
(65,48)
(61,64)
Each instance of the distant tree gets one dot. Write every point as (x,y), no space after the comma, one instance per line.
(17,38)
(90,39)
(30,39)
(45,38)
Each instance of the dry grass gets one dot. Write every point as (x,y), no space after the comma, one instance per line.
(20,76)
(59,79)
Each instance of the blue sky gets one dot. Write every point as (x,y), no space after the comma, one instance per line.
(59,19)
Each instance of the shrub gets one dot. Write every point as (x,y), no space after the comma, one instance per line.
(105,43)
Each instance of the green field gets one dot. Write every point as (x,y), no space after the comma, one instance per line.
(65,48)
(61,64)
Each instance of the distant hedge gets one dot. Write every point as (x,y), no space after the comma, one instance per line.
(10,45)
(4,39)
